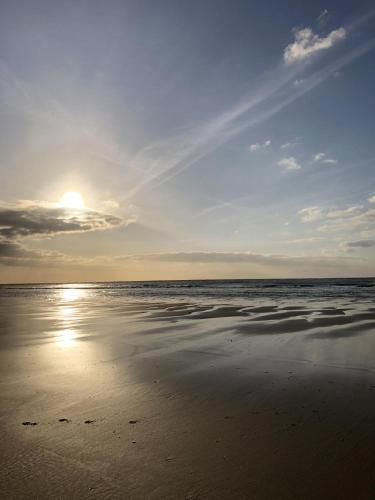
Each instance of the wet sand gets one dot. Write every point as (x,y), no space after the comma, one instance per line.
(102,398)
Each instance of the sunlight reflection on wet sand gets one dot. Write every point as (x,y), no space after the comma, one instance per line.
(66,338)
(256,378)
(68,316)
(71,294)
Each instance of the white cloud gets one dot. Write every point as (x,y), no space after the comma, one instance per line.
(312,239)
(257,145)
(291,144)
(289,163)
(362,221)
(334,216)
(310,214)
(306,43)
(319,156)
(322,157)
(347,212)
(355,219)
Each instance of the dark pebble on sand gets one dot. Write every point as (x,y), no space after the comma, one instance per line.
(29,423)
(133,421)
(89,421)
(64,420)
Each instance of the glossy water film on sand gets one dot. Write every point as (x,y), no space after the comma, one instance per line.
(239,389)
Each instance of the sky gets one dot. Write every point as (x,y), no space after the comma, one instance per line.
(200,139)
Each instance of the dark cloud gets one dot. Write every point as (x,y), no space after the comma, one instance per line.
(13,253)
(10,249)
(48,221)
(361,244)
(17,223)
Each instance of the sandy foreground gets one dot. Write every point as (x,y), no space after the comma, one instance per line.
(181,400)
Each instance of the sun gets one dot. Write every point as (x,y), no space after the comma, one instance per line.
(72,199)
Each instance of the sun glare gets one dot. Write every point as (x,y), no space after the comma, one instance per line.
(72,199)
(66,338)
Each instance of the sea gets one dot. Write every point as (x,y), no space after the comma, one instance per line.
(356,289)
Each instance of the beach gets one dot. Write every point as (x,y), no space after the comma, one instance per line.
(190,390)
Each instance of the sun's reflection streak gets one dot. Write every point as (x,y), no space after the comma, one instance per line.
(71,294)
(67,312)
(66,338)
(68,315)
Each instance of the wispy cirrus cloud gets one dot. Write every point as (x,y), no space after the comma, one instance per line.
(163,160)
(323,17)
(258,145)
(345,212)
(306,43)
(290,144)
(322,158)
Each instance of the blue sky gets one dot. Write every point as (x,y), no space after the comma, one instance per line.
(224,139)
